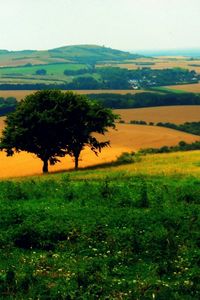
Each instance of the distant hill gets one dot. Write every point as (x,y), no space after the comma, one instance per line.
(73,54)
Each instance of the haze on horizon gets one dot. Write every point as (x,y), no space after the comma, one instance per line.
(121,24)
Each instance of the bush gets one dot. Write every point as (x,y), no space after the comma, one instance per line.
(126,158)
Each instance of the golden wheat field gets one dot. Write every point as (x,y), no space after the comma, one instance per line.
(160,62)
(192,88)
(125,139)
(21,94)
(174,114)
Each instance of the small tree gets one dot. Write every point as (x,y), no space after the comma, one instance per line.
(51,124)
(91,117)
(41,72)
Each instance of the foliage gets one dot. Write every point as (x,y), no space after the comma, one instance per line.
(91,117)
(51,124)
(41,72)
(7,105)
(126,158)
(138,122)
(182,146)
(85,82)
(120,237)
(145,99)
(190,127)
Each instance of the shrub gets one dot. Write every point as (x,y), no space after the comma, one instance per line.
(128,158)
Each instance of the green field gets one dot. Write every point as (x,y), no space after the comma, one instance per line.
(119,236)
(52,69)
(27,74)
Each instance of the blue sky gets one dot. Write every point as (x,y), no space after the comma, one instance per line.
(121,24)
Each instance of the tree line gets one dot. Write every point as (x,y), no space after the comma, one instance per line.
(146,99)
(139,100)
(189,127)
(7,105)
(52,124)
(182,146)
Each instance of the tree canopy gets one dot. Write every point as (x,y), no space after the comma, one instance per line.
(51,124)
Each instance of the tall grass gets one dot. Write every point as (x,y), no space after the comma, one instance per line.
(120,237)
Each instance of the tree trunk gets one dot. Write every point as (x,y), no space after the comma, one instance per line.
(45,166)
(76,161)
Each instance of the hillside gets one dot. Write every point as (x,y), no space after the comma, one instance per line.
(73,54)
(172,114)
(115,233)
(84,67)
(126,138)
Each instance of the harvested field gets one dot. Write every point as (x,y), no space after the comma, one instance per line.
(173,114)
(2,123)
(167,62)
(17,94)
(125,138)
(21,94)
(192,88)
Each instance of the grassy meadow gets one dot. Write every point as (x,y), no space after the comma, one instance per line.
(101,234)
(27,74)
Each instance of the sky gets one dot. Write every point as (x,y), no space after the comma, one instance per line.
(119,24)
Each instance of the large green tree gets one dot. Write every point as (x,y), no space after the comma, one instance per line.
(51,124)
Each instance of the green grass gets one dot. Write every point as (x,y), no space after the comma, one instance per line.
(55,74)
(119,237)
(52,69)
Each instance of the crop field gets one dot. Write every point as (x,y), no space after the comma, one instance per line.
(20,94)
(173,114)
(160,63)
(191,88)
(125,139)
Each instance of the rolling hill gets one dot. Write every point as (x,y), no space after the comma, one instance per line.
(73,54)
(178,114)
(126,138)
(58,66)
